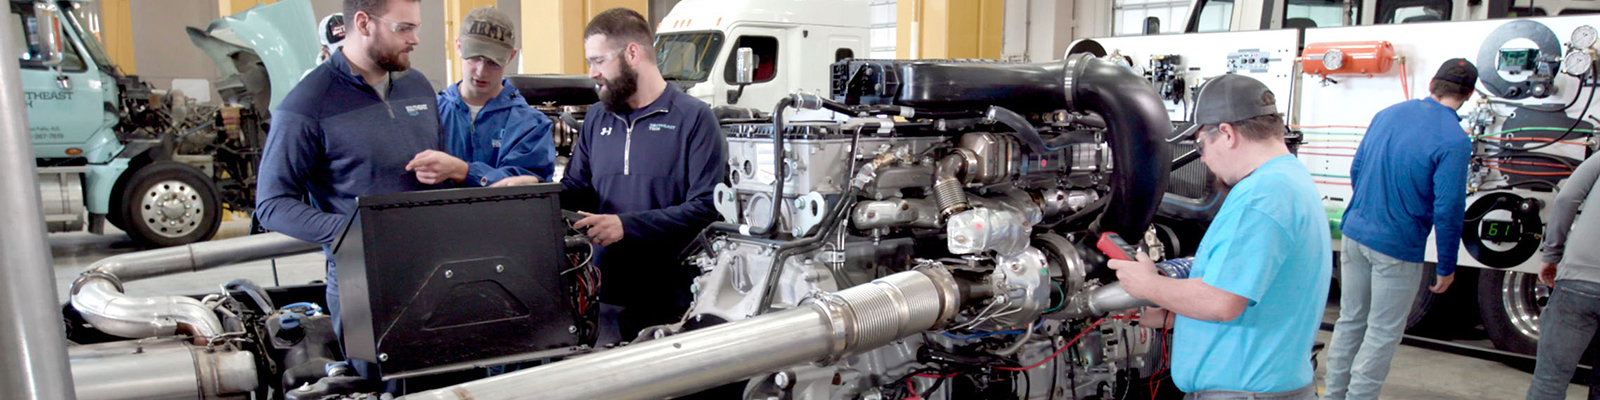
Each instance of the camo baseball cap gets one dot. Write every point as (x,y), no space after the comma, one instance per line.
(489,33)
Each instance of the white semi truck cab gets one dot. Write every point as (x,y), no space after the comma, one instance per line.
(790,45)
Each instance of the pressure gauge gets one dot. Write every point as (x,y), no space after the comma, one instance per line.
(1578,62)
(1583,37)
(1333,59)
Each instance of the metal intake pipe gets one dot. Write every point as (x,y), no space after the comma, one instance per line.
(160,369)
(833,326)
(98,295)
(1099,301)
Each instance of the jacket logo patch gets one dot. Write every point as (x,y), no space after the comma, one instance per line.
(657,127)
(415,109)
(605,131)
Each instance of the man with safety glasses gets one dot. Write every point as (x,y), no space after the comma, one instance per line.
(348,129)
(1251,307)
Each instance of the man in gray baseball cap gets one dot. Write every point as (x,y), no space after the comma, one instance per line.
(492,135)
(1249,310)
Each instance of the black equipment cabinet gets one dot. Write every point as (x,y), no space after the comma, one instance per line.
(441,280)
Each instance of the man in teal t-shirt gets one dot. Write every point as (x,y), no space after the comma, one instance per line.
(1250,309)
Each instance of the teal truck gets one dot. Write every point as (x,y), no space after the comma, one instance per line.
(153,163)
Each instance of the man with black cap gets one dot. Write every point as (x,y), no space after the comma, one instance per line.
(492,136)
(1409,176)
(1251,307)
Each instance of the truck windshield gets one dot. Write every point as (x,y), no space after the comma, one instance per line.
(687,56)
(74,16)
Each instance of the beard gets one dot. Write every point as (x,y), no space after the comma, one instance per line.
(392,60)
(617,91)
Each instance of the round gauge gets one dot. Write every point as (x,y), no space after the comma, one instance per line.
(1583,37)
(1577,62)
(1333,59)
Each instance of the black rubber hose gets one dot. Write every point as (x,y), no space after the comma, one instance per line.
(1138,126)
(1020,128)
(1185,159)
(771,230)
(254,291)
(824,229)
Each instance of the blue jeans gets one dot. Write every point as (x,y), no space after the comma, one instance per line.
(1375,296)
(1565,326)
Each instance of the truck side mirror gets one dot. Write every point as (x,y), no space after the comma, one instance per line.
(744,72)
(48,31)
(744,66)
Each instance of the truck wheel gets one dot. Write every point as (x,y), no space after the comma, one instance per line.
(1424,301)
(170,204)
(1510,303)
(1450,313)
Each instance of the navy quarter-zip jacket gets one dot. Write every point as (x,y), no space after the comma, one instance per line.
(656,169)
(333,139)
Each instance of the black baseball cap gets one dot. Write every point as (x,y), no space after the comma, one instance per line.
(1458,71)
(1231,98)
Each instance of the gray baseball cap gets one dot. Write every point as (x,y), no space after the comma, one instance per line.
(1231,98)
(488,32)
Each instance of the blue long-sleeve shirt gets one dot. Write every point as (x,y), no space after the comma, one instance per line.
(333,139)
(508,138)
(1410,175)
(656,169)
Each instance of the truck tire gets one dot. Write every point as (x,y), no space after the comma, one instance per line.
(1510,303)
(1423,303)
(170,204)
(1450,313)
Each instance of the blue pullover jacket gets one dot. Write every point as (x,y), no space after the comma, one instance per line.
(655,168)
(1410,175)
(333,139)
(509,138)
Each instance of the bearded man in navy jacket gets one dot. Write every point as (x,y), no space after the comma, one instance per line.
(642,172)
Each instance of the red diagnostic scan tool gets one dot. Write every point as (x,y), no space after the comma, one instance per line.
(1113,246)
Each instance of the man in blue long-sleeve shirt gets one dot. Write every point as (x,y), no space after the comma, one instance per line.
(348,129)
(645,164)
(491,132)
(1409,175)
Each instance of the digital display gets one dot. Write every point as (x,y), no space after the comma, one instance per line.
(1500,230)
(1518,60)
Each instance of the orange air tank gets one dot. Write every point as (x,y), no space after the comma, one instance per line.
(1348,58)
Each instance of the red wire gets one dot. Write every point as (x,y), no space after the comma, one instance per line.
(1531,163)
(1058,351)
(1330,147)
(1307,153)
(1327,126)
(1403,85)
(1528,173)
(1534,139)
(932,376)
(1332,182)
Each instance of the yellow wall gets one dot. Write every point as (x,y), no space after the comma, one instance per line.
(454,12)
(231,7)
(945,29)
(551,32)
(116,33)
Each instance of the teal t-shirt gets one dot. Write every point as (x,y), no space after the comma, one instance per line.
(1270,244)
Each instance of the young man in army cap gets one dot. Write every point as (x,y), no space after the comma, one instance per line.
(492,136)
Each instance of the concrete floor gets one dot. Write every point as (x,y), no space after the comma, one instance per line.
(1416,373)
